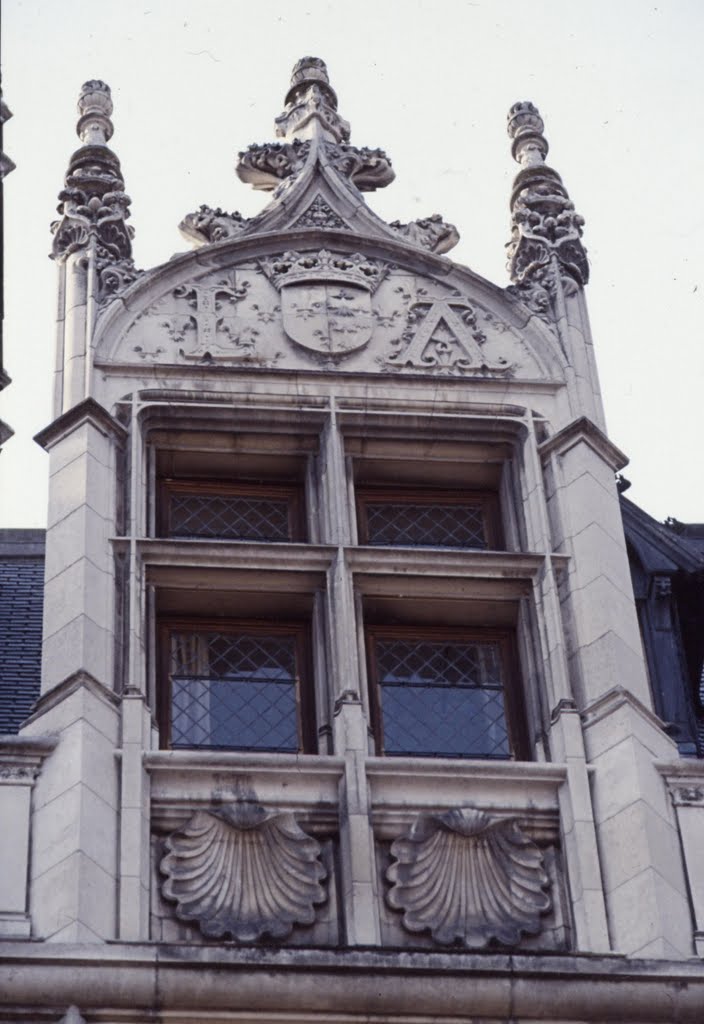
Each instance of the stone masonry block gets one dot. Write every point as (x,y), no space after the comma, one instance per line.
(81,589)
(608,662)
(76,891)
(81,534)
(80,646)
(85,481)
(85,439)
(77,821)
(625,774)
(646,909)
(84,756)
(599,608)
(637,838)
(14,847)
(594,554)
(585,501)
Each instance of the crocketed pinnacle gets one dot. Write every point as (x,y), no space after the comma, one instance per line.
(546,230)
(93,204)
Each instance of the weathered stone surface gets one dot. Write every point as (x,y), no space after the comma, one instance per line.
(242,871)
(468,878)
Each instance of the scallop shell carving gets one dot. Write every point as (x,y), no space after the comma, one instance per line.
(468,878)
(245,872)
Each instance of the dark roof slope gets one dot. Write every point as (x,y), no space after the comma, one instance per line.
(21,607)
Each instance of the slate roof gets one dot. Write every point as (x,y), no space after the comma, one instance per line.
(21,607)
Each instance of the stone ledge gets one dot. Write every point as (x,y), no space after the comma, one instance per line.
(307,985)
(583,430)
(87,411)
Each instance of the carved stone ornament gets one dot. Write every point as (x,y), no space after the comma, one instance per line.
(545,252)
(442,334)
(208,225)
(467,878)
(93,206)
(320,215)
(432,233)
(209,330)
(243,871)
(326,298)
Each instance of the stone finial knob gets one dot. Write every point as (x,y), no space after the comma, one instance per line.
(306,71)
(94,126)
(525,127)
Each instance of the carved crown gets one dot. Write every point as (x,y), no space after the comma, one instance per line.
(323,266)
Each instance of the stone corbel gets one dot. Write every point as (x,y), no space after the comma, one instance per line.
(20,763)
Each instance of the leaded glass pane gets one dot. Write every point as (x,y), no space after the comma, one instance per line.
(442,699)
(426,525)
(234,690)
(229,517)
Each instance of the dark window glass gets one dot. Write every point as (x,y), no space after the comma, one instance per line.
(219,512)
(419,519)
(441,698)
(234,690)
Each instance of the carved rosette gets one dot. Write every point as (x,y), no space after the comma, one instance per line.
(243,871)
(467,878)
(546,250)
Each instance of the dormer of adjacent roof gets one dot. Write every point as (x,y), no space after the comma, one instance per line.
(317,281)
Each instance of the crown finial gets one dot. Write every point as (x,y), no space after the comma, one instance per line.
(546,231)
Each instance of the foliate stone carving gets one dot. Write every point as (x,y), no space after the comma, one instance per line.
(467,878)
(93,205)
(211,331)
(320,215)
(432,233)
(545,251)
(326,298)
(442,334)
(243,871)
(688,796)
(265,165)
(311,98)
(369,169)
(209,225)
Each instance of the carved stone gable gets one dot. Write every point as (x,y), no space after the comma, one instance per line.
(320,215)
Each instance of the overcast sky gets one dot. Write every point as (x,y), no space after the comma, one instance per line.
(619,84)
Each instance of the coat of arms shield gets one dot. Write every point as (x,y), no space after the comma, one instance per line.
(329,317)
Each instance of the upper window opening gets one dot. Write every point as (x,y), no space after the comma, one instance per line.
(435,519)
(257,512)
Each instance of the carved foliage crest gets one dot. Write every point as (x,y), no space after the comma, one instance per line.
(467,878)
(243,871)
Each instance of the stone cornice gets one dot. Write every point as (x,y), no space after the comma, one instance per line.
(584,430)
(87,411)
(613,699)
(301,985)
(21,757)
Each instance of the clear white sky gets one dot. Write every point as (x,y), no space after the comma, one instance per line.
(620,86)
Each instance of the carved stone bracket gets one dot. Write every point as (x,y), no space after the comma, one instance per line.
(265,165)
(243,871)
(209,225)
(546,231)
(467,878)
(432,233)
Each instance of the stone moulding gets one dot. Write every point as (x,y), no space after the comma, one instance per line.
(242,871)
(467,878)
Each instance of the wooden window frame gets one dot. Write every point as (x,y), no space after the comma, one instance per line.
(305,705)
(290,492)
(514,707)
(487,500)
